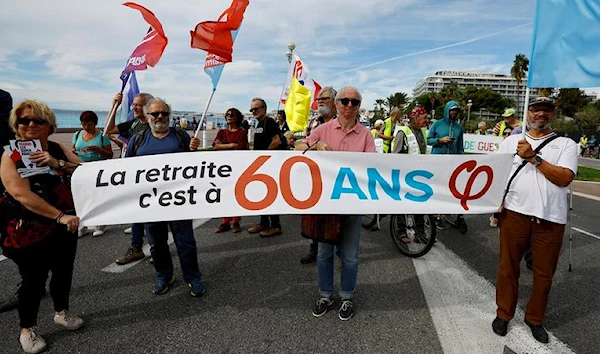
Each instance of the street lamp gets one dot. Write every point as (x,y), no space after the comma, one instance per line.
(469,104)
(290,51)
(480,114)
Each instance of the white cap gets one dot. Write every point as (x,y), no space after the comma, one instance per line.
(378,122)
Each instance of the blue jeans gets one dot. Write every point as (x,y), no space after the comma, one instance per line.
(348,249)
(137,235)
(183,235)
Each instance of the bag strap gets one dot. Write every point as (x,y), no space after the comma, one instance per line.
(525,162)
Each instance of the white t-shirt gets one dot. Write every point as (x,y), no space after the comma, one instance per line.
(530,192)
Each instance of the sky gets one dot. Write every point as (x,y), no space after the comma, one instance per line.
(70,53)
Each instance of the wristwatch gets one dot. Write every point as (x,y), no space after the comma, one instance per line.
(61,163)
(537,160)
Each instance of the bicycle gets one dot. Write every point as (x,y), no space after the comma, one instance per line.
(459,224)
(372,222)
(413,235)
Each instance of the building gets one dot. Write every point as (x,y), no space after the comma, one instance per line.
(503,84)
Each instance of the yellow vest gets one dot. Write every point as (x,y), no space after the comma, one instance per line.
(503,126)
(583,141)
(411,140)
(388,131)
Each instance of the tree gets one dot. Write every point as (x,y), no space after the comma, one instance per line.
(545,91)
(588,118)
(379,110)
(398,99)
(518,70)
(571,100)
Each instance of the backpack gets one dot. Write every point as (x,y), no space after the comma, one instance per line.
(139,137)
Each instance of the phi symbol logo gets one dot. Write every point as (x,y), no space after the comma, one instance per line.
(466,195)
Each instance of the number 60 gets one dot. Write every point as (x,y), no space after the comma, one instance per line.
(250,175)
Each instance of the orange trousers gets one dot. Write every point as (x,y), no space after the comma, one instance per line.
(546,241)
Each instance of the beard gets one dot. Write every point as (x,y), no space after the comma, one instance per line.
(324,111)
(159,126)
(538,126)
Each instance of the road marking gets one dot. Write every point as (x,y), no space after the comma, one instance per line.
(115,268)
(583,195)
(462,305)
(586,233)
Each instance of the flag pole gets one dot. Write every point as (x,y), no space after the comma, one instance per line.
(525,108)
(204,113)
(290,55)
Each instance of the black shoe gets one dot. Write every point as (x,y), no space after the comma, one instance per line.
(500,326)
(346,310)
(308,258)
(538,331)
(322,305)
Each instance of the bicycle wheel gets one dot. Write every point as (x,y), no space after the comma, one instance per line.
(369,220)
(413,235)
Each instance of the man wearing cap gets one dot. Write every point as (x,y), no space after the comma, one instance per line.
(534,209)
(376,131)
(510,120)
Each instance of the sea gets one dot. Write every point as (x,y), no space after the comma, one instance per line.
(70,118)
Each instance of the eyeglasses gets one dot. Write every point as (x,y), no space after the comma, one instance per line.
(323,99)
(541,109)
(27,121)
(506,133)
(156,114)
(255,109)
(354,101)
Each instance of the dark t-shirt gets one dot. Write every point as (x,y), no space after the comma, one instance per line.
(151,145)
(6,133)
(131,128)
(265,130)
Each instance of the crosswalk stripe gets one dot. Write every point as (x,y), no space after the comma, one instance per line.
(462,305)
(116,268)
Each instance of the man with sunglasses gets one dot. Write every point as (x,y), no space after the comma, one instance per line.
(127,130)
(342,134)
(327,112)
(266,137)
(535,210)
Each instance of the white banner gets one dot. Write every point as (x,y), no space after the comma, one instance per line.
(481,144)
(239,183)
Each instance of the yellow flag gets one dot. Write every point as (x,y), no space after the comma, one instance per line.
(297,107)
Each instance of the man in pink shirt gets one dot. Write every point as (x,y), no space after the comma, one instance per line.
(342,134)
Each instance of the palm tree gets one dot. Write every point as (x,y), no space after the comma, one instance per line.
(518,70)
(545,91)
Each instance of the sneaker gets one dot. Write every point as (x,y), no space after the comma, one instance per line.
(500,326)
(346,310)
(197,288)
(98,232)
(439,224)
(222,228)
(83,231)
(322,305)
(127,230)
(68,320)
(493,221)
(257,228)
(161,286)
(308,258)
(272,231)
(133,254)
(32,343)
(236,228)
(538,332)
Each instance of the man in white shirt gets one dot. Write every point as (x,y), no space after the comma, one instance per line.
(535,209)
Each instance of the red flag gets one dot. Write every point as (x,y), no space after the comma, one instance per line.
(215,36)
(315,105)
(149,51)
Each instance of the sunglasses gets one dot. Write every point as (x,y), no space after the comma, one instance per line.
(156,114)
(27,121)
(231,115)
(354,101)
(255,109)
(323,99)
(506,133)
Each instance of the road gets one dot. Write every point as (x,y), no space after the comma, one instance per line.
(259,297)
(589,162)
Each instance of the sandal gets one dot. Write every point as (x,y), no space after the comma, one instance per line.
(404,238)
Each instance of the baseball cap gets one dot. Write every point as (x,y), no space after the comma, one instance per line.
(509,112)
(542,100)
(378,122)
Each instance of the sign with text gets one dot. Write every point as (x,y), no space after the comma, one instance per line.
(481,144)
(215,184)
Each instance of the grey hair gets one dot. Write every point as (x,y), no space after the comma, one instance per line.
(145,96)
(481,124)
(156,100)
(332,92)
(338,95)
(261,101)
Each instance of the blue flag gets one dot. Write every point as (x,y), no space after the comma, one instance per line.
(126,112)
(213,65)
(565,50)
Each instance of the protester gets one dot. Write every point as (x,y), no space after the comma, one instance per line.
(481,128)
(377,130)
(161,139)
(592,144)
(535,208)
(266,137)
(90,145)
(389,126)
(281,122)
(446,137)
(231,138)
(127,130)
(342,134)
(510,120)
(583,143)
(327,111)
(41,223)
